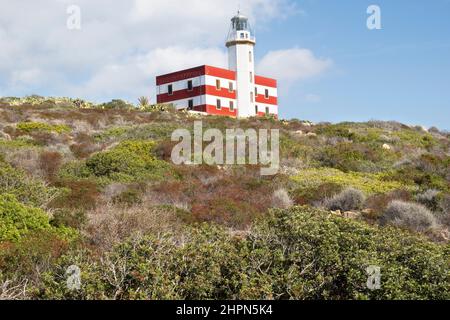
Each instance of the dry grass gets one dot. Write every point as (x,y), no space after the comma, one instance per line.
(109,224)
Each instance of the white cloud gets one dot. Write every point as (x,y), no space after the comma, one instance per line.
(293,65)
(122,46)
(136,77)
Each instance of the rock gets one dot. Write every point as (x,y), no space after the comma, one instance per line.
(311,134)
(351,215)
(337,212)
(386,147)
(445,235)
(5,136)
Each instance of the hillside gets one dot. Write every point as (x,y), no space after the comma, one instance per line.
(94,186)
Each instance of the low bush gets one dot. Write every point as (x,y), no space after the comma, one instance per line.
(80,194)
(50,162)
(26,189)
(129,161)
(408,215)
(315,194)
(29,127)
(430,198)
(347,200)
(299,253)
(308,254)
(117,104)
(17,220)
(281,199)
(366,182)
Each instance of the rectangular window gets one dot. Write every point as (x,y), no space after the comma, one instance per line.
(250,56)
(267,110)
(230,87)
(256,91)
(256,109)
(190,87)
(218,84)
(251,77)
(266,94)
(219,104)
(191,104)
(251,97)
(231,106)
(170,89)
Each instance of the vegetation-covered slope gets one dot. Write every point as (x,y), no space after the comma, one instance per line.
(93,186)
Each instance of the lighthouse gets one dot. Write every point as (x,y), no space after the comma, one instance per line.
(235,92)
(241,44)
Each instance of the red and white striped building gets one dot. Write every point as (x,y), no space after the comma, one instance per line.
(236,92)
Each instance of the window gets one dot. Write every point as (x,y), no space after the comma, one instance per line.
(256,109)
(230,87)
(242,35)
(266,94)
(218,84)
(256,91)
(267,110)
(251,77)
(231,106)
(251,96)
(250,56)
(190,86)
(190,104)
(219,104)
(170,89)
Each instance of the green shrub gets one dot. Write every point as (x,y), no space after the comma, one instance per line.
(117,104)
(300,253)
(369,183)
(24,188)
(18,220)
(308,254)
(29,127)
(128,162)
(355,157)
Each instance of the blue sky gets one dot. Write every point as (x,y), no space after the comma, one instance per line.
(329,65)
(401,72)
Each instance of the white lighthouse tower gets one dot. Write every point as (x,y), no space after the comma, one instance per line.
(241,43)
(234,92)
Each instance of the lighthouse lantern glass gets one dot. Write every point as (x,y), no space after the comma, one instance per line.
(240,29)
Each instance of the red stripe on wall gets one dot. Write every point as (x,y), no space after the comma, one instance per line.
(260,98)
(222,112)
(196,91)
(180,75)
(223,92)
(266,82)
(210,109)
(180,94)
(195,72)
(220,73)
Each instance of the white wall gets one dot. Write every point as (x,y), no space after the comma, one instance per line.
(238,59)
